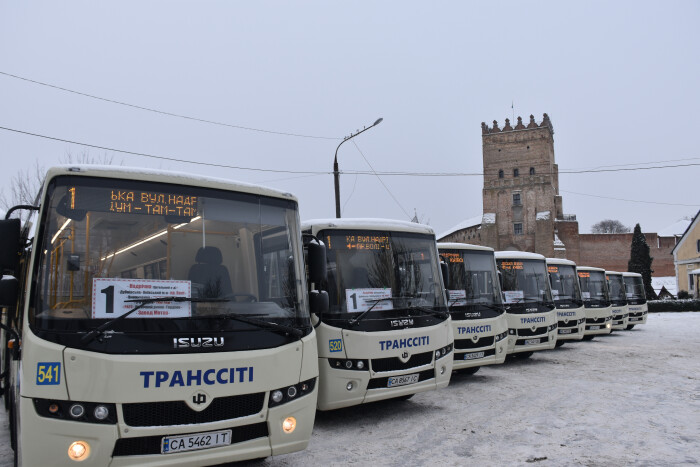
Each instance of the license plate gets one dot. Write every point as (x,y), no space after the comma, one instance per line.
(593,328)
(402,380)
(635,319)
(473,355)
(194,442)
(531,341)
(565,331)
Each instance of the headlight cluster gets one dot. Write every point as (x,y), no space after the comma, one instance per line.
(439,353)
(512,332)
(552,327)
(501,336)
(582,320)
(348,364)
(89,412)
(289,393)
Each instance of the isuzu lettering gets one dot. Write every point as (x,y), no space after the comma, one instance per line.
(566,291)
(387,332)
(618,299)
(156,319)
(596,300)
(636,299)
(476,305)
(532,316)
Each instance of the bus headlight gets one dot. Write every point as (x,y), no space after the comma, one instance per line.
(441,352)
(101,412)
(289,424)
(79,451)
(86,412)
(289,393)
(76,410)
(277,396)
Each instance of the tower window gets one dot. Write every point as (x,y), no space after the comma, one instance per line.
(500,174)
(532,171)
(516,173)
(518,228)
(516,199)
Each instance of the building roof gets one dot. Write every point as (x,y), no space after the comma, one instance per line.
(685,234)
(669,282)
(465,224)
(676,229)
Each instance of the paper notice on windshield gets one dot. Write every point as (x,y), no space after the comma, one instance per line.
(457,297)
(110,295)
(586,295)
(514,296)
(555,293)
(359,300)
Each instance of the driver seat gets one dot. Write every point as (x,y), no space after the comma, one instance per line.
(211,277)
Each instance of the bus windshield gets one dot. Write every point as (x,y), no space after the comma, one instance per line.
(634,287)
(107,243)
(383,272)
(616,288)
(565,286)
(473,286)
(593,288)
(525,285)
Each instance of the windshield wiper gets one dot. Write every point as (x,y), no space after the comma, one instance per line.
(359,317)
(98,331)
(430,311)
(280,328)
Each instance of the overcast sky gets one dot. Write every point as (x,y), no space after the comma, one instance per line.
(619,80)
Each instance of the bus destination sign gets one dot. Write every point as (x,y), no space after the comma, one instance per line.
(133,202)
(511,265)
(452,257)
(359,242)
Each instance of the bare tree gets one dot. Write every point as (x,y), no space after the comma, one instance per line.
(86,158)
(609,226)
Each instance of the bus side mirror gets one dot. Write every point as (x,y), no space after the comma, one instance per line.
(445,273)
(318,302)
(9,245)
(9,286)
(316,258)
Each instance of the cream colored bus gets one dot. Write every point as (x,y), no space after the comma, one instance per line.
(636,299)
(387,333)
(596,299)
(566,291)
(157,319)
(476,305)
(532,316)
(618,299)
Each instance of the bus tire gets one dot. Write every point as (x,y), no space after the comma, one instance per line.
(560,343)
(468,371)
(403,398)
(589,337)
(630,326)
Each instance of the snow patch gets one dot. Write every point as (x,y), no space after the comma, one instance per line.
(543,216)
(489,218)
(666,281)
(557,242)
(465,224)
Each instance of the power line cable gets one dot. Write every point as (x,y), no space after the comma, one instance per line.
(380,180)
(630,200)
(636,163)
(162,112)
(309,172)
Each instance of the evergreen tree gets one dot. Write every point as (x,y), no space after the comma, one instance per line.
(640,261)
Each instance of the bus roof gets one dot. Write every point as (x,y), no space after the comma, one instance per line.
(518,255)
(164,176)
(589,268)
(613,273)
(631,274)
(562,261)
(462,246)
(367,224)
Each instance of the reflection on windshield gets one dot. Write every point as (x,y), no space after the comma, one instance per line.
(381,270)
(634,287)
(524,281)
(593,286)
(564,282)
(110,241)
(616,287)
(472,276)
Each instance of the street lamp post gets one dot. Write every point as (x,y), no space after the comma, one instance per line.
(336,174)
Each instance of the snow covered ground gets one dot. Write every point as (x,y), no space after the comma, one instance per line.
(629,398)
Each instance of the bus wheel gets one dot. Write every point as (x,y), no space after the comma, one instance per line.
(630,326)
(560,343)
(589,337)
(468,371)
(403,398)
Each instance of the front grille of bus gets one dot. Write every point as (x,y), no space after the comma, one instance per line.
(377,383)
(530,332)
(597,320)
(178,413)
(636,315)
(470,344)
(487,353)
(146,445)
(570,324)
(394,364)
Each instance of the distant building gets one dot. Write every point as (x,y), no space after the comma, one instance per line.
(523,210)
(686,259)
